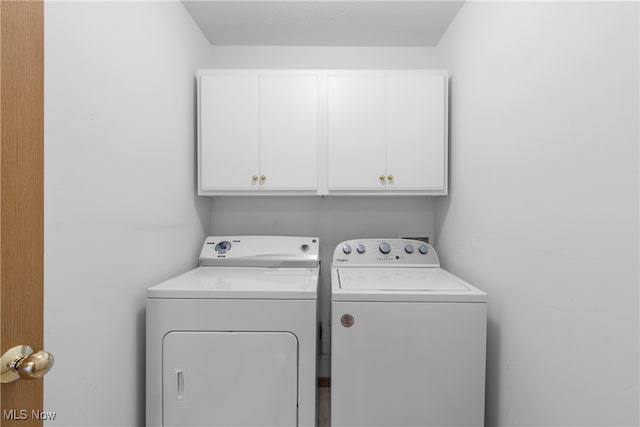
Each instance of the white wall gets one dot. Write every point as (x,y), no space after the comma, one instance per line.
(543,212)
(331,219)
(322,57)
(120,207)
(543,206)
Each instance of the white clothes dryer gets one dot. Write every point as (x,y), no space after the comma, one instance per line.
(408,339)
(233,341)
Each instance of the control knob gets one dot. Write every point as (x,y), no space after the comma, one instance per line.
(223,246)
(360,248)
(423,249)
(385,248)
(409,249)
(346,249)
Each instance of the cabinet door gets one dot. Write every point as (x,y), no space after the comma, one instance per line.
(289,131)
(222,379)
(416,131)
(356,134)
(229,132)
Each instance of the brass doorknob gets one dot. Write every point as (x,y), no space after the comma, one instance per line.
(262,177)
(390,177)
(22,362)
(382,178)
(254,177)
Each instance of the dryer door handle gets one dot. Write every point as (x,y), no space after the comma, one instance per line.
(179,372)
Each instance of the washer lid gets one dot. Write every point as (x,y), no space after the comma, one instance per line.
(403,284)
(240,283)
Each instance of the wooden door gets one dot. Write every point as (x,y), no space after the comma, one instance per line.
(21,198)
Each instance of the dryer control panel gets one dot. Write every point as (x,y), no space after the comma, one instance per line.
(260,251)
(385,252)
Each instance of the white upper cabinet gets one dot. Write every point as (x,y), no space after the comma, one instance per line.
(229,132)
(356,131)
(416,131)
(258,131)
(387,132)
(289,131)
(377,131)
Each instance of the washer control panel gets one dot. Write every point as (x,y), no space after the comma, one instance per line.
(260,251)
(385,252)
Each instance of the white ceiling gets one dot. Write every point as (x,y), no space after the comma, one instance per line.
(323,22)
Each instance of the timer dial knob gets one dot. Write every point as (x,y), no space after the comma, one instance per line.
(223,247)
(384,248)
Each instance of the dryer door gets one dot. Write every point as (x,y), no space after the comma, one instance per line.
(229,379)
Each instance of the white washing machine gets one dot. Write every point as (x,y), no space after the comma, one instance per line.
(233,341)
(408,339)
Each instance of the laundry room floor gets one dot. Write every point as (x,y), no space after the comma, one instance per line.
(324,397)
